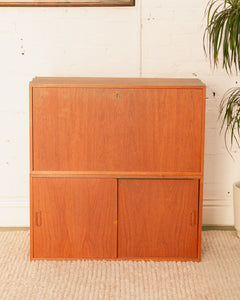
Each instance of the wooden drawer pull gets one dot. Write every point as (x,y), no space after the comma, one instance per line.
(38,218)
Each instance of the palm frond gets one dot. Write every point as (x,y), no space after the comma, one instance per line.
(222,33)
(230,116)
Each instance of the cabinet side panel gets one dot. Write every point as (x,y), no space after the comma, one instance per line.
(31,220)
(30,126)
(158,218)
(201,182)
(203,127)
(200,201)
(74,218)
(31,168)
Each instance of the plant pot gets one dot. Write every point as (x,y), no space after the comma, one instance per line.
(236,206)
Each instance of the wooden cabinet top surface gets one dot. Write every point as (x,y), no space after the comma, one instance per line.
(115,82)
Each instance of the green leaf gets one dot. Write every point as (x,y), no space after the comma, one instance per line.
(222,33)
(230,115)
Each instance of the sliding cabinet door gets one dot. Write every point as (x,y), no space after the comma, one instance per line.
(74,218)
(158,218)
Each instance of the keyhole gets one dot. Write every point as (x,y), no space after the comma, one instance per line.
(117,96)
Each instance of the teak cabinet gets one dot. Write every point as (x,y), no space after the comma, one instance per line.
(116,168)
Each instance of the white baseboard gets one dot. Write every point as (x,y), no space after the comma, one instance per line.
(215,212)
(218,212)
(14,214)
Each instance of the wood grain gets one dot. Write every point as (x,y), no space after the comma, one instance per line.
(137,130)
(200,210)
(203,114)
(105,174)
(31,214)
(104,82)
(78,218)
(154,218)
(87,134)
(183,259)
(31,127)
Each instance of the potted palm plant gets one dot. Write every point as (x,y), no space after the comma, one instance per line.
(222,42)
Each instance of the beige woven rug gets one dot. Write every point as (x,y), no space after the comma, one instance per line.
(216,277)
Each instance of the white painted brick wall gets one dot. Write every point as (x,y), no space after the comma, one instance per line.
(155,38)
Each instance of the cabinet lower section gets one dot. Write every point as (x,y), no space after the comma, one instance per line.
(75,218)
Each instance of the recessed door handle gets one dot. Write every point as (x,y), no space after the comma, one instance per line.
(38,218)
(193,218)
